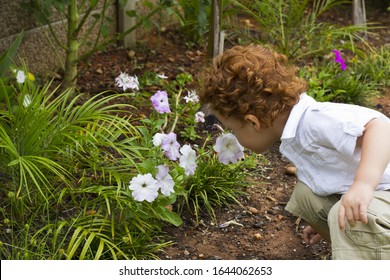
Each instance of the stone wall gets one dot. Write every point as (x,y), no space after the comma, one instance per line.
(38,49)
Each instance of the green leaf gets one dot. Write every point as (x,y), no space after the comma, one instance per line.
(105,30)
(7,57)
(147,4)
(131,13)
(169,216)
(93,3)
(122,3)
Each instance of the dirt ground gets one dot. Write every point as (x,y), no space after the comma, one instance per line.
(264,230)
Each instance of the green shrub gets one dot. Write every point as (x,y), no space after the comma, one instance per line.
(327,82)
(292,27)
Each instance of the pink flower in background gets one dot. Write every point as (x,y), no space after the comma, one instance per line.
(170,146)
(144,187)
(188,160)
(160,102)
(125,81)
(339,60)
(228,148)
(165,181)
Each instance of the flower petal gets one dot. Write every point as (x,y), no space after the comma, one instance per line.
(160,102)
(228,148)
(144,187)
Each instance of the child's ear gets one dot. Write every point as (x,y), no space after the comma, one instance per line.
(253,121)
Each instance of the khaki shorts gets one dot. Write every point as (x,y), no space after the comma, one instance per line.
(363,241)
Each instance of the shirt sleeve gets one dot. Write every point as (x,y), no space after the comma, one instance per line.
(337,126)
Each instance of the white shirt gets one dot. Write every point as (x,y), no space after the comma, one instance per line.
(320,140)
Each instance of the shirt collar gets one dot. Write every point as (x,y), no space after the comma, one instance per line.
(295,115)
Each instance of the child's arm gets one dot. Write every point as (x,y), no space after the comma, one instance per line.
(375,145)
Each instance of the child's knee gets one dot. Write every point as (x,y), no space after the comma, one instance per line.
(333,219)
(362,241)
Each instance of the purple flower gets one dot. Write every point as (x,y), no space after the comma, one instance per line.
(165,181)
(188,160)
(160,102)
(228,148)
(144,187)
(170,146)
(199,117)
(339,59)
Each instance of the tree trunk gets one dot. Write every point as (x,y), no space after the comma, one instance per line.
(216,37)
(126,22)
(70,76)
(359,14)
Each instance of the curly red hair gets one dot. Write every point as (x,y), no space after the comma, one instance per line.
(250,80)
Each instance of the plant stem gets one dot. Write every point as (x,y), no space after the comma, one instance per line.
(176,109)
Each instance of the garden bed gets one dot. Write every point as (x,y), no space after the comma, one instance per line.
(262,229)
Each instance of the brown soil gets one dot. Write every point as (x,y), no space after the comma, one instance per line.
(267,231)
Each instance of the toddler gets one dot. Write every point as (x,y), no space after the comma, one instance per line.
(341,151)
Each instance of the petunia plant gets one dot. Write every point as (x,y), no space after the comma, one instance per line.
(172,158)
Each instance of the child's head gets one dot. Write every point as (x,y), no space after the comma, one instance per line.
(250,80)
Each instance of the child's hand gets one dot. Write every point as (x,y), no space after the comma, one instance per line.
(354,205)
(310,235)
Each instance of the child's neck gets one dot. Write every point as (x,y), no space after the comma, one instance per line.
(280,122)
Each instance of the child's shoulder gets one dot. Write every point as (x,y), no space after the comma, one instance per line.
(341,112)
(325,118)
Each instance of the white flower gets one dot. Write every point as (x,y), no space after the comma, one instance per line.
(144,187)
(188,160)
(162,76)
(165,181)
(199,117)
(228,148)
(157,139)
(192,97)
(125,81)
(20,76)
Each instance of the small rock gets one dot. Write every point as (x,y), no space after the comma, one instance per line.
(258,224)
(186,252)
(131,54)
(253,210)
(291,170)
(99,71)
(258,236)
(201,256)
